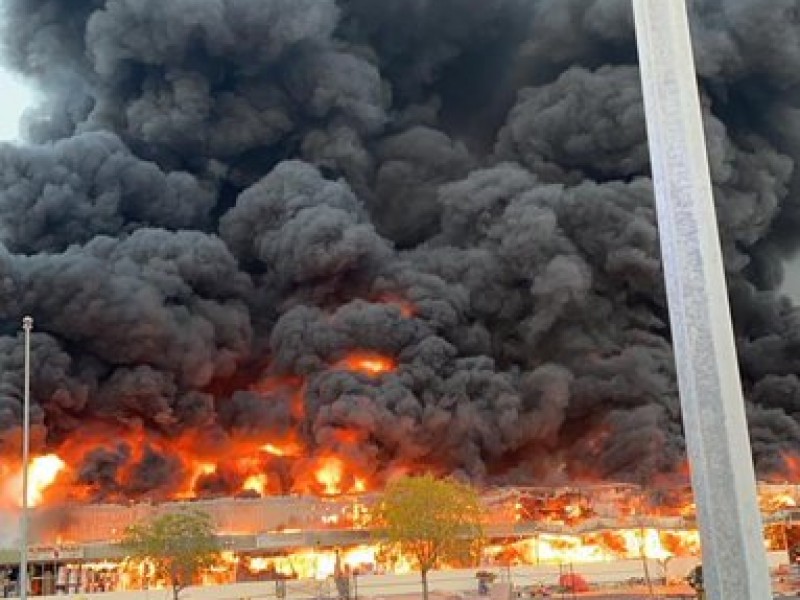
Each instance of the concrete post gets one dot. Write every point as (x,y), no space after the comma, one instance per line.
(23,579)
(723,479)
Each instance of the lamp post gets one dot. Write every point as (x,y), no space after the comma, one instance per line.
(717,441)
(27,325)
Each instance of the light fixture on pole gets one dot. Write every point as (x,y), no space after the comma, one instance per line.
(27,325)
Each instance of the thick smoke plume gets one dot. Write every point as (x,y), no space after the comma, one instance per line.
(218,202)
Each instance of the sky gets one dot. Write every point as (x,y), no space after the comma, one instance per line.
(16,96)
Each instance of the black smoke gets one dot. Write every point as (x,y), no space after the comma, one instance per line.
(220,194)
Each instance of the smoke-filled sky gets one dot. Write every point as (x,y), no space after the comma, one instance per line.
(218,201)
(16,98)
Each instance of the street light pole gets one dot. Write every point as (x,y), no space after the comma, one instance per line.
(27,325)
(717,441)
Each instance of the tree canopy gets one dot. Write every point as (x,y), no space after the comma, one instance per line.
(431,520)
(178,545)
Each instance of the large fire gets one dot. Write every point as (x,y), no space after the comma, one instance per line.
(52,479)
(550,527)
(314,564)
(251,463)
(604,546)
(194,466)
(543,549)
(42,472)
(116,461)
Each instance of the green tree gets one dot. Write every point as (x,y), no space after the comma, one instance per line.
(179,545)
(431,520)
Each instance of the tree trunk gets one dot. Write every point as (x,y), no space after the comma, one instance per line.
(176,590)
(424,573)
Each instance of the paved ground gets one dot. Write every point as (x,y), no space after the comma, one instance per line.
(619,595)
(631,593)
(673,592)
(624,595)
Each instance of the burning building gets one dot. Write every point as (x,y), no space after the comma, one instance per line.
(292,537)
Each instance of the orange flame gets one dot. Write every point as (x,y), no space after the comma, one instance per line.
(198,470)
(600,547)
(329,475)
(230,460)
(42,472)
(367,364)
(791,468)
(310,564)
(256,483)
(288,449)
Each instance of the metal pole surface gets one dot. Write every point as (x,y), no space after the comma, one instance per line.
(27,325)
(723,478)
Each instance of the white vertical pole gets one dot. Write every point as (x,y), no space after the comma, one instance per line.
(27,325)
(723,478)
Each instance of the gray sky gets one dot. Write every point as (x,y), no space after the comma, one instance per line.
(15,96)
